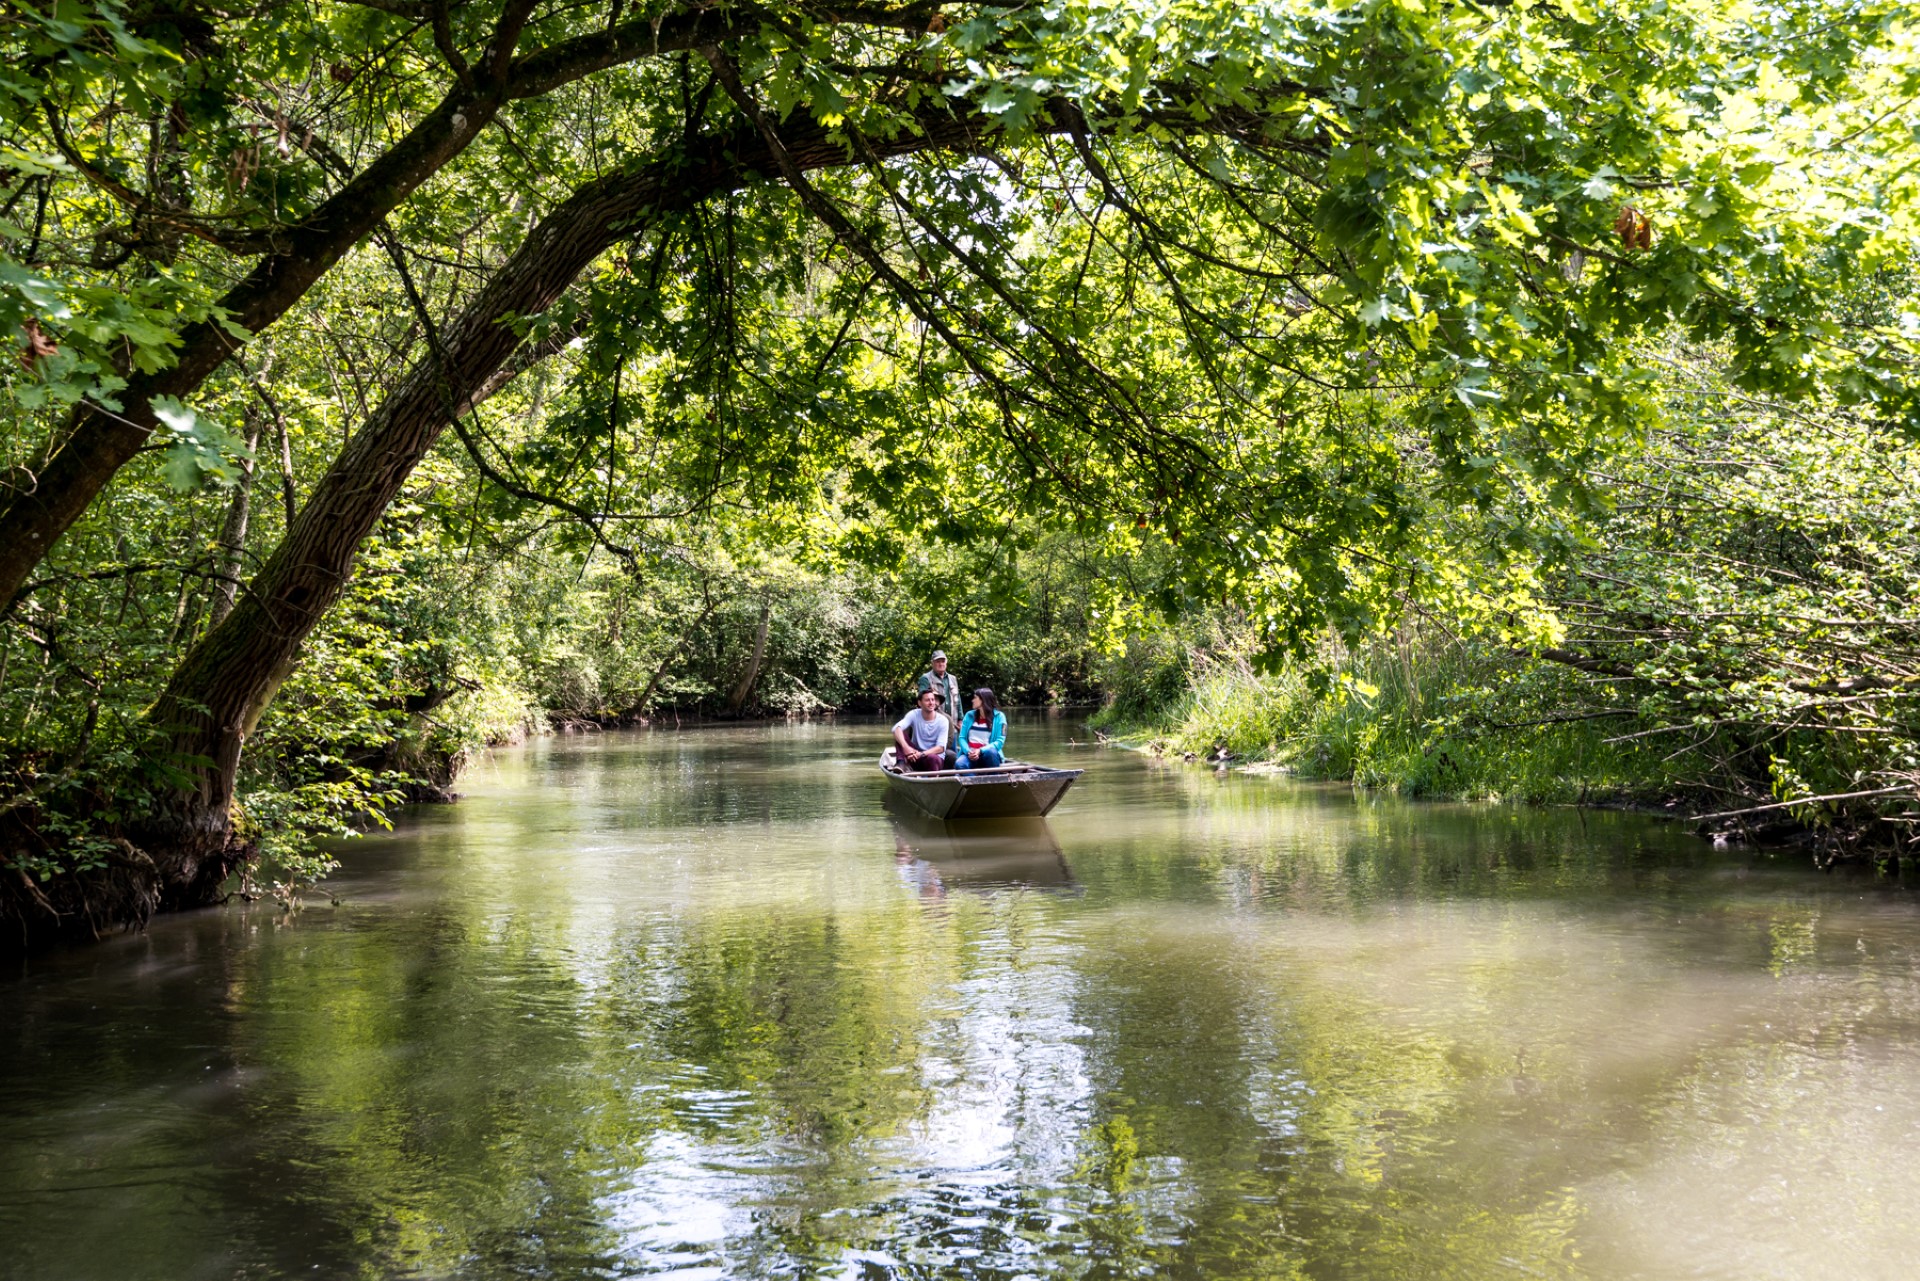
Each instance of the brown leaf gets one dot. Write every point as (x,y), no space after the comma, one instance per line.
(38,347)
(1633,228)
(245,161)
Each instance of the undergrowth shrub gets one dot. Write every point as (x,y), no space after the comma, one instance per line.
(1424,716)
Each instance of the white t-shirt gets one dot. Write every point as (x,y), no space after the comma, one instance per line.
(924,734)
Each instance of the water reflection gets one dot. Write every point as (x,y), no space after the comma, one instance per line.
(697,1005)
(978,854)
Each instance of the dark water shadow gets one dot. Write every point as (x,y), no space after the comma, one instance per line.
(981,854)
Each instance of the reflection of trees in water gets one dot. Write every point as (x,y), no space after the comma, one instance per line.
(1232,1103)
(1328,846)
(426,1105)
(469,1091)
(1292,1129)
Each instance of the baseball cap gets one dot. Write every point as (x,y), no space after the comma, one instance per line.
(939,653)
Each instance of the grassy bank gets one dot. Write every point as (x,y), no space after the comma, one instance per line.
(1421,719)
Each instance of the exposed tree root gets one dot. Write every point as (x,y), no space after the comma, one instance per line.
(124,894)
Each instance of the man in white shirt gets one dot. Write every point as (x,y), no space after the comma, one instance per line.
(920,737)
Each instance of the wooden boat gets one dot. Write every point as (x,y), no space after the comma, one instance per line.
(1017,789)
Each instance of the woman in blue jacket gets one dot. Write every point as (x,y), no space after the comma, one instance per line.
(982,740)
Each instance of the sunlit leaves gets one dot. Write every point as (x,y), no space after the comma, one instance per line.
(199,451)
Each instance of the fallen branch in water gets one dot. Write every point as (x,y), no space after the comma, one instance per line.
(1805,800)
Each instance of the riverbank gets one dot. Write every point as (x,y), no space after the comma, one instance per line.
(1466,726)
(1678,806)
(1428,727)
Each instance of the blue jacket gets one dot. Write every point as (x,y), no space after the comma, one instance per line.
(998,739)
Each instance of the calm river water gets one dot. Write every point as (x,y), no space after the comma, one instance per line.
(696,1005)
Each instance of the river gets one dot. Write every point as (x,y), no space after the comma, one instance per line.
(696,1005)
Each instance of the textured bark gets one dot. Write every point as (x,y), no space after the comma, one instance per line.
(744,690)
(96,445)
(233,536)
(226,680)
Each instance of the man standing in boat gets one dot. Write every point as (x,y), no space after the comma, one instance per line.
(920,737)
(945,687)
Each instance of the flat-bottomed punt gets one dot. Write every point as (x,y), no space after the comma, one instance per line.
(1016,789)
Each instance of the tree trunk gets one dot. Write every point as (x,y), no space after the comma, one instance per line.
(640,705)
(233,537)
(745,687)
(189,568)
(288,498)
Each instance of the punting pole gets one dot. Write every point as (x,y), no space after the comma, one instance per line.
(956,773)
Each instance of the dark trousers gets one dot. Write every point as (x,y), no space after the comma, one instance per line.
(989,758)
(931,761)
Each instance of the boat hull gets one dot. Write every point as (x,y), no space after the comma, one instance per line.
(1015,790)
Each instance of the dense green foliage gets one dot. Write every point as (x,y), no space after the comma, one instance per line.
(780,343)
(1732,628)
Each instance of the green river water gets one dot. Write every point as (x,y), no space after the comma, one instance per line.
(697,1005)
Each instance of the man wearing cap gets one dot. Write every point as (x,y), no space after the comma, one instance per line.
(945,687)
